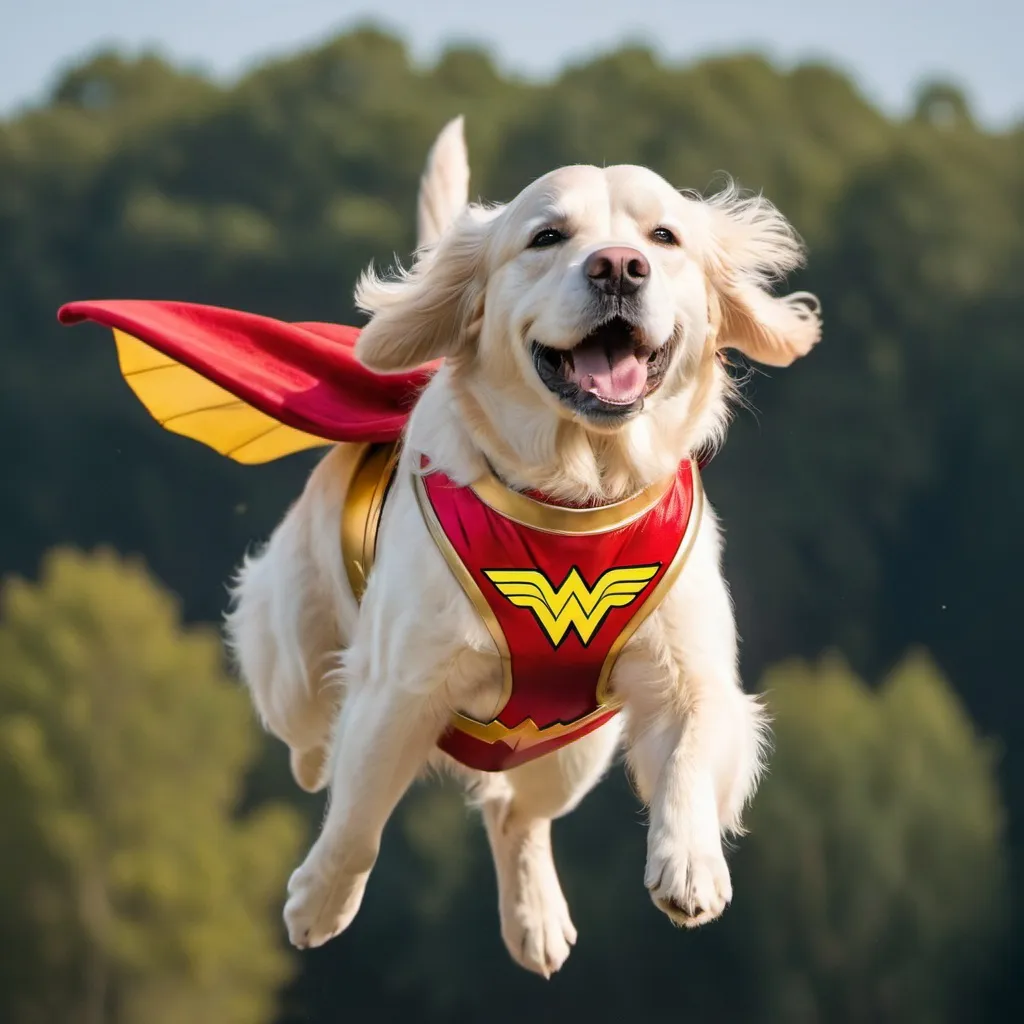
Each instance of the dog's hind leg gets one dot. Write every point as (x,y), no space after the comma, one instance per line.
(535,921)
(289,618)
(283,643)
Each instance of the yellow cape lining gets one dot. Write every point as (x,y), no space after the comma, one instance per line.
(184,402)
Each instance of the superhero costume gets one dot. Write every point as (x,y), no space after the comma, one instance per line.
(560,590)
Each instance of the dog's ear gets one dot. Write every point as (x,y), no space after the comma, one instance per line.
(431,311)
(752,245)
(444,186)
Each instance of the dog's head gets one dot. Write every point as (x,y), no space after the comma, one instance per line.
(598,297)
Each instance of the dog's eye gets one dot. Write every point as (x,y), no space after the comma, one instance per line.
(546,238)
(664,236)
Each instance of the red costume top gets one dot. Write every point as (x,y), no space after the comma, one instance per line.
(560,590)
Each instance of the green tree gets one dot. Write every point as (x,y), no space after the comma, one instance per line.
(132,892)
(871,885)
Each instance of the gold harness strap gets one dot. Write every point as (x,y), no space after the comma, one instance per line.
(360,516)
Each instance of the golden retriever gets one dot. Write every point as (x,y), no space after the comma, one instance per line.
(581,327)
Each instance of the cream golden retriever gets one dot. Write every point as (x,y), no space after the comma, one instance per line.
(581,327)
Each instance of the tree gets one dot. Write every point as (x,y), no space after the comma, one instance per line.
(871,887)
(132,892)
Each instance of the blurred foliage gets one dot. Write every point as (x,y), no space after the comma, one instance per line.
(872,884)
(870,492)
(131,890)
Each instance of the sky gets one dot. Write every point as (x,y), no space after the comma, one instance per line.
(888,46)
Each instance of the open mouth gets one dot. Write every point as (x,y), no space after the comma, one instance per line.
(608,374)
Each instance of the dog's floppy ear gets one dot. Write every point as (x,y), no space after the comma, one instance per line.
(753,245)
(431,311)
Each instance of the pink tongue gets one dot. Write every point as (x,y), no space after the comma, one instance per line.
(617,377)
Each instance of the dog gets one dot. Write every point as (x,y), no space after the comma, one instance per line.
(582,327)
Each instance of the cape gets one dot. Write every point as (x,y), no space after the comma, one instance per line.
(251,387)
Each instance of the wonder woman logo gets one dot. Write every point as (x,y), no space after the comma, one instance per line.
(573,603)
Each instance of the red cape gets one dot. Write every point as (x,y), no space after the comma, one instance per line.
(303,375)
(251,387)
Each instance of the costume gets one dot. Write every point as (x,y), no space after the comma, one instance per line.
(560,590)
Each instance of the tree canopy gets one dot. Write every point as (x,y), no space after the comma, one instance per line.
(132,890)
(875,853)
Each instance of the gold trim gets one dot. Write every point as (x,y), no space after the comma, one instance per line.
(571,521)
(360,515)
(527,732)
(605,697)
(483,609)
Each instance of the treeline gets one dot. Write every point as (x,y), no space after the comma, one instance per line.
(871,496)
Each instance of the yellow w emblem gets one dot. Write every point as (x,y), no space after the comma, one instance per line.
(573,603)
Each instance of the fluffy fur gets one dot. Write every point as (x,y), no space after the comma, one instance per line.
(360,694)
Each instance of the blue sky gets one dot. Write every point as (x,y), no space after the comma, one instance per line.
(888,46)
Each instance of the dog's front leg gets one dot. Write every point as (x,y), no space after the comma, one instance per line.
(383,737)
(686,874)
(696,741)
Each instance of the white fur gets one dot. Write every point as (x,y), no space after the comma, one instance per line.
(361,694)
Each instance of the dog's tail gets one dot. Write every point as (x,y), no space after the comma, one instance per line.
(444,186)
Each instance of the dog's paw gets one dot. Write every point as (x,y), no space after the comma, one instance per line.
(535,924)
(539,938)
(321,906)
(691,887)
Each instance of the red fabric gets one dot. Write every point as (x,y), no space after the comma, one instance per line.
(304,375)
(552,682)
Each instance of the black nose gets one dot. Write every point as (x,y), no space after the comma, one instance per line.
(617,270)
